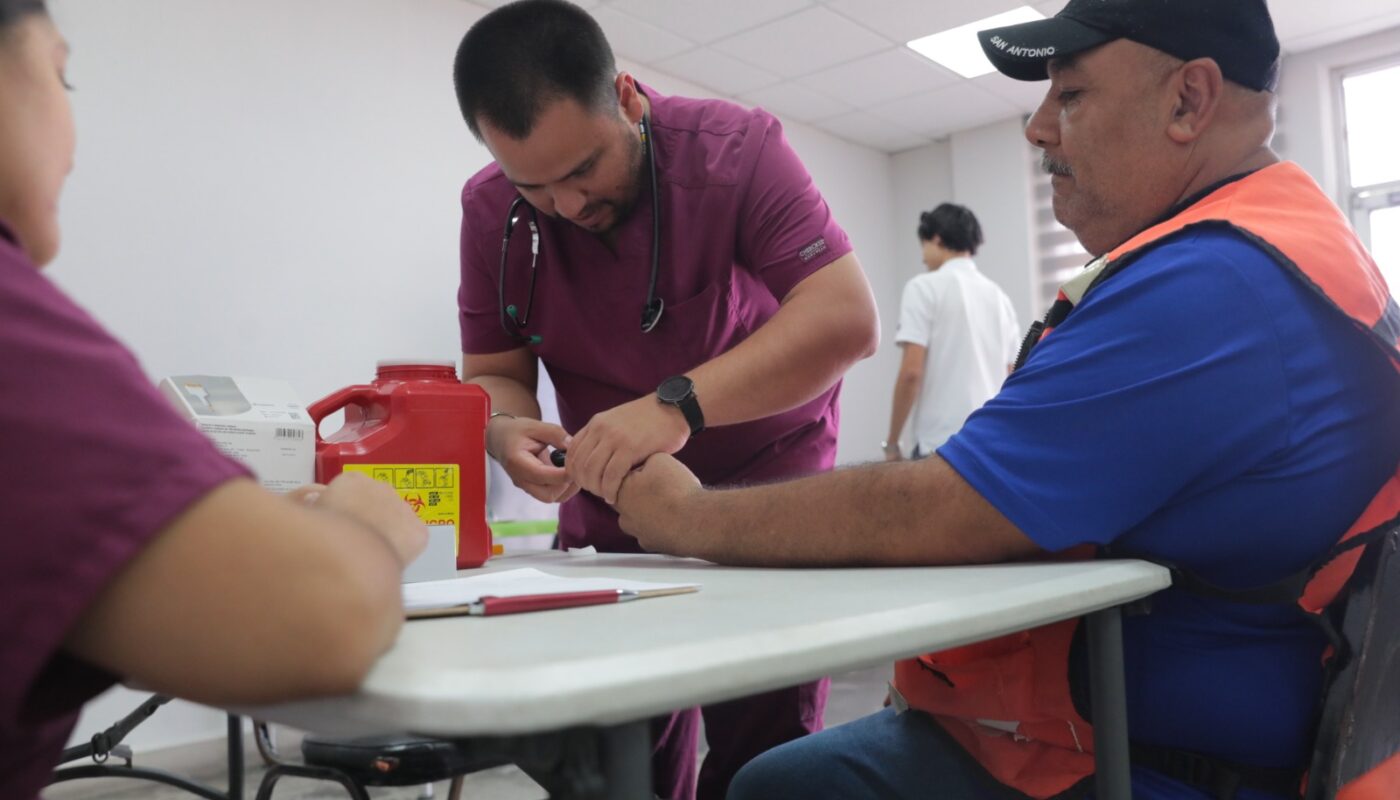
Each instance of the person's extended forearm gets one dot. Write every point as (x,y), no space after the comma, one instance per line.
(798,354)
(902,514)
(509,396)
(906,391)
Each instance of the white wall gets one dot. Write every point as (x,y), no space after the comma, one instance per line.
(991,175)
(923,178)
(1308,132)
(986,169)
(265,187)
(270,188)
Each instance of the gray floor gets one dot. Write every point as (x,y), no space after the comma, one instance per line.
(852,696)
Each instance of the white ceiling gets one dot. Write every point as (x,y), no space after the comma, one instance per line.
(841,65)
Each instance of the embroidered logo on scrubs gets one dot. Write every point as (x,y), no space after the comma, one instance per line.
(812,250)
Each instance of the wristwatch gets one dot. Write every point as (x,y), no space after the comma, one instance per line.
(679,391)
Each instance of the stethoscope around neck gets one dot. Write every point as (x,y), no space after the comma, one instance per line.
(513,321)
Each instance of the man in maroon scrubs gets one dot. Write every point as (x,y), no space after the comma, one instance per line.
(725,347)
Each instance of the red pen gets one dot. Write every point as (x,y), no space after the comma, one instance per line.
(491,605)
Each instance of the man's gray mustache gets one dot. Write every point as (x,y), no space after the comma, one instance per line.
(1054,167)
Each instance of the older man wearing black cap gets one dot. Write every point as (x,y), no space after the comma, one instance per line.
(1216,391)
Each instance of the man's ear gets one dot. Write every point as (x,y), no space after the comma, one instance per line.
(1198,86)
(629,98)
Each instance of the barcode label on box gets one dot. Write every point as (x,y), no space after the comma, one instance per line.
(291,433)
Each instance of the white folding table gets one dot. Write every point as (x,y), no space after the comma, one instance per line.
(525,680)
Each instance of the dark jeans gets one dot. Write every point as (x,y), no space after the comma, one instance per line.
(885,756)
(736,731)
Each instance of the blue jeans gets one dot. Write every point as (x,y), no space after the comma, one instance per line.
(884,756)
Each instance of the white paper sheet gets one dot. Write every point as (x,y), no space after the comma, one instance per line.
(513,583)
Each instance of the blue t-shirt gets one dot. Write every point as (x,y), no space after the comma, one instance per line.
(1203,407)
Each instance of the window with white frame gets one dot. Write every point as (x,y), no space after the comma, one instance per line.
(1371,160)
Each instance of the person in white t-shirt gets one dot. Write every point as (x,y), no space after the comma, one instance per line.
(958,332)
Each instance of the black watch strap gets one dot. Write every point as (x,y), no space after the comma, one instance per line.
(690,407)
(680,392)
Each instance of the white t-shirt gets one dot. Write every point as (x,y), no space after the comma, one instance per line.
(969,327)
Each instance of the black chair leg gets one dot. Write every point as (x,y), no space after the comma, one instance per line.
(280,771)
(108,743)
(235,757)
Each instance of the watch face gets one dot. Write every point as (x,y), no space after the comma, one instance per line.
(674,390)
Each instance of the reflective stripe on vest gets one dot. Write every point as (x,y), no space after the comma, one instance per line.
(1025,676)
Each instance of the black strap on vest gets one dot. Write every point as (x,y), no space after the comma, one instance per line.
(1221,778)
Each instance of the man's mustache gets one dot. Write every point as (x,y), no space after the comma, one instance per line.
(1054,167)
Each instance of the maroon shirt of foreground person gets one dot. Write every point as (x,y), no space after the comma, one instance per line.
(742,224)
(93,464)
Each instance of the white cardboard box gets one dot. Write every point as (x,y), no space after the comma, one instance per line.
(256,421)
(260,423)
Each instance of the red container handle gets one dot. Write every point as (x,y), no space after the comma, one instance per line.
(350,395)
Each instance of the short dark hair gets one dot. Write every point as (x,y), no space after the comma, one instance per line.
(523,55)
(955,225)
(12,11)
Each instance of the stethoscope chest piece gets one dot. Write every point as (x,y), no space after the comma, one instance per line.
(652,314)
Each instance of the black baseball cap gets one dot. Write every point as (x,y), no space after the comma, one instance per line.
(1237,34)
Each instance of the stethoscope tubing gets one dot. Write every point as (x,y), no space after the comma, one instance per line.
(651,311)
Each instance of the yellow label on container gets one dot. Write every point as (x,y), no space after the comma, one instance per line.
(432,490)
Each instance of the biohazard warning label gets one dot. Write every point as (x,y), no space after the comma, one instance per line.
(430,489)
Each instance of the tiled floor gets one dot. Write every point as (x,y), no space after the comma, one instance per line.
(852,696)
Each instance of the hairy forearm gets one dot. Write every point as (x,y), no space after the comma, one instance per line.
(911,513)
(820,331)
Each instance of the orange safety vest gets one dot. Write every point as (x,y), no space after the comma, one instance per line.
(1007,701)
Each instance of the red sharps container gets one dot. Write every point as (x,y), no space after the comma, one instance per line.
(421,430)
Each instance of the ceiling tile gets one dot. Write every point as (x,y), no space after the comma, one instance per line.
(1024,95)
(1302,27)
(905,20)
(640,41)
(876,79)
(939,113)
(804,42)
(709,20)
(796,102)
(717,71)
(863,128)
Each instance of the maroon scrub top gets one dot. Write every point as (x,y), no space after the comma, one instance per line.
(742,224)
(93,463)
